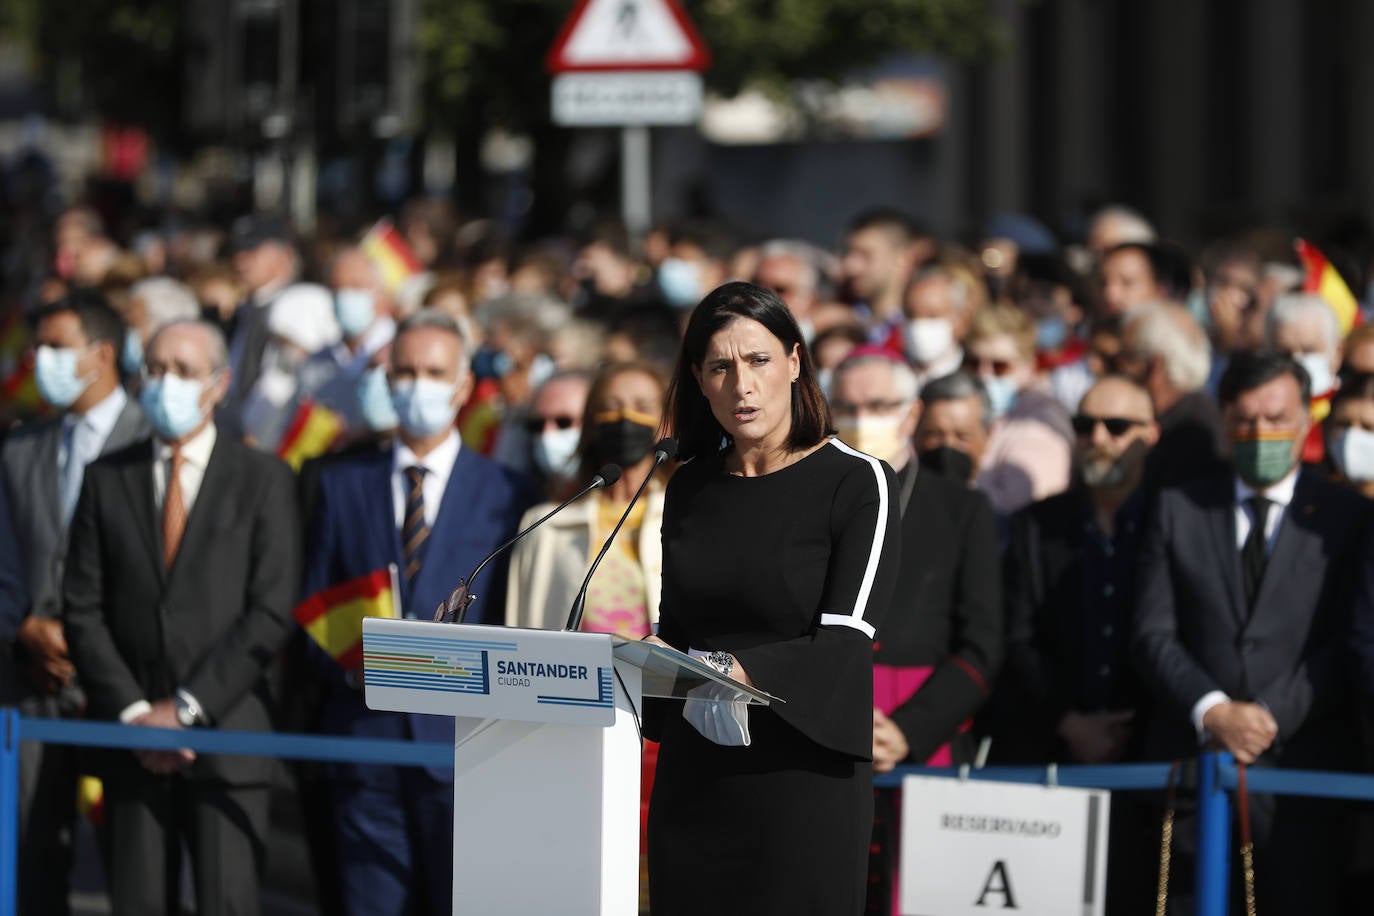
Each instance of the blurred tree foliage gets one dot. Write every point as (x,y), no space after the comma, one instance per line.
(482,60)
(486,57)
(120,59)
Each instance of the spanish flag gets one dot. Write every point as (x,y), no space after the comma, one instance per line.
(1323,279)
(90,800)
(20,388)
(334,617)
(390,251)
(312,432)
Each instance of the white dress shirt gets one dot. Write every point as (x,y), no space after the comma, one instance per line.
(196,451)
(438,466)
(1280,495)
(87,434)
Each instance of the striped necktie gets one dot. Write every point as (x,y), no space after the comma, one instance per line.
(414,531)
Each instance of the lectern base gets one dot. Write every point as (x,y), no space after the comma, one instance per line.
(546,817)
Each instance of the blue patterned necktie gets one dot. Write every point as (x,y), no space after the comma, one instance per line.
(77,439)
(414,531)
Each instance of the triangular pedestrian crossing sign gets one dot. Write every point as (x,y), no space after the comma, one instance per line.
(627,35)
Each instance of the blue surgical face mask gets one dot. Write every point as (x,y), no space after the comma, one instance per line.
(1050,333)
(356,309)
(172,404)
(55,373)
(826,379)
(425,407)
(1001,393)
(680,281)
(488,363)
(374,401)
(555,452)
(131,356)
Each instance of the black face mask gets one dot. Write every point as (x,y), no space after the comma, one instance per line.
(947,462)
(623,441)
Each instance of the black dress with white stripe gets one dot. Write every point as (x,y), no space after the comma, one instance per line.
(791,572)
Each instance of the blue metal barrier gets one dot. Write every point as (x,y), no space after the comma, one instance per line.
(1216,778)
(15,729)
(1213,866)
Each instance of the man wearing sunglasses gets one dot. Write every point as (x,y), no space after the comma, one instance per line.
(554,426)
(1069,693)
(1245,590)
(1070,567)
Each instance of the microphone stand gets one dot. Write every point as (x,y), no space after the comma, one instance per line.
(664,450)
(456,607)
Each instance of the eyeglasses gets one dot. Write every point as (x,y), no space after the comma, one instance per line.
(1084,424)
(537,424)
(999,367)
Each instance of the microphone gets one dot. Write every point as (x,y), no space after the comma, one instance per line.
(665,450)
(456,607)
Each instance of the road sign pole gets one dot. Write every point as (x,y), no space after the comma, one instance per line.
(635,179)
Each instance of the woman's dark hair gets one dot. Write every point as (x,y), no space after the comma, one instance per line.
(588,461)
(696,428)
(1357,386)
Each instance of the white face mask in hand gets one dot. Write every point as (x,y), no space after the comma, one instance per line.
(718,719)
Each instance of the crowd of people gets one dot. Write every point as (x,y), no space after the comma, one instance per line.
(1129,485)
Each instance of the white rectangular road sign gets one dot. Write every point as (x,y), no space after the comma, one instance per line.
(974,847)
(626,98)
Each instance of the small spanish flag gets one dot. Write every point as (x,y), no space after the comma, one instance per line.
(20,387)
(1322,278)
(479,421)
(390,251)
(334,617)
(90,800)
(312,432)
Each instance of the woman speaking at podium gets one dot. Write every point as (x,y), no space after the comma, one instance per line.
(780,548)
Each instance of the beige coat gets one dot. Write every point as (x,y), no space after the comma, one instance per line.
(549,565)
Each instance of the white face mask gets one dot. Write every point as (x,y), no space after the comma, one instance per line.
(1353,453)
(873,435)
(1318,366)
(555,452)
(927,339)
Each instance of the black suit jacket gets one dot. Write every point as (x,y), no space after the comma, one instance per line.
(210,624)
(1059,636)
(946,611)
(1191,443)
(1193,633)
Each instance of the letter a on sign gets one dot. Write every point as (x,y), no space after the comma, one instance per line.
(998,882)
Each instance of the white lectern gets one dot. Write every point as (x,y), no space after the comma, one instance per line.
(547,754)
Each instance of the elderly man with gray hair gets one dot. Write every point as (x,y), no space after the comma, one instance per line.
(1165,350)
(153,302)
(1305,326)
(181,572)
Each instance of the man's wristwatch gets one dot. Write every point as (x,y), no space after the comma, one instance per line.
(723,662)
(187,715)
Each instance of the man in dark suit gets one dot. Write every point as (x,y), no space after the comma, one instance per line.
(266,260)
(182,570)
(434,509)
(941,642)
(1069,693)
(1244,595)
(41,467)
